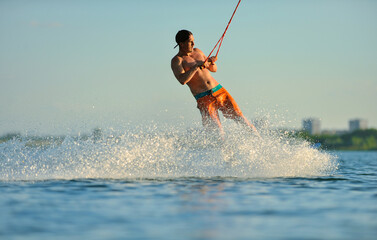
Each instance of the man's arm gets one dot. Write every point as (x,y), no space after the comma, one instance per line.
(182,76)
(210,64)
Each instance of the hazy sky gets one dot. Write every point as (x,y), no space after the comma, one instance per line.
(68,66)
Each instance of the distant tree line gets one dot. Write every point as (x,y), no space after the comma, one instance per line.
(9,136)
(48,140)
(357,140)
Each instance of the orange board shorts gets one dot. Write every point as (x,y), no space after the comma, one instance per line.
(216,99)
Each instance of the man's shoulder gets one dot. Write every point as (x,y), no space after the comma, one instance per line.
(176,58)
(197,50)
(176,61)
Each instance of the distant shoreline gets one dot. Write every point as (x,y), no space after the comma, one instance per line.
(359,140)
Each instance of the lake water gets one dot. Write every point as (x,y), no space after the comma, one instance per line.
(167,186)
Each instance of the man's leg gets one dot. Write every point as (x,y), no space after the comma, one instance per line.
(210,115)
(231,110)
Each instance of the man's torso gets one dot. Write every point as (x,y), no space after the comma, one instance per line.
(202,80)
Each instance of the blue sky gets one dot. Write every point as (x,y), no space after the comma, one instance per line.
(70,66)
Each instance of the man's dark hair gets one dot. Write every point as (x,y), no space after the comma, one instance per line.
(182,36)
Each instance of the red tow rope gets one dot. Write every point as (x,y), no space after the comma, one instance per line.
(222,36)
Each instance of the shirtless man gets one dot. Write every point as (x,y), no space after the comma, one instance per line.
(189,67)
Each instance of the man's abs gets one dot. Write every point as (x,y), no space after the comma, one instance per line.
(201,82)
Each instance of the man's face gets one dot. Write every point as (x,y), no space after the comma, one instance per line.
(188,45)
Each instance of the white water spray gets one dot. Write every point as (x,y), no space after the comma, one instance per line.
(164,153)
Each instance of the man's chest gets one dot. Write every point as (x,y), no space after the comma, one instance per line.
(189,61)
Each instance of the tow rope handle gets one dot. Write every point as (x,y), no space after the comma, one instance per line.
(222,36)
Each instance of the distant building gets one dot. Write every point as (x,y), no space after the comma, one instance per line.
(312,126)
(357,124)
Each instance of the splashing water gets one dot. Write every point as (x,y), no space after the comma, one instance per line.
(167,153)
